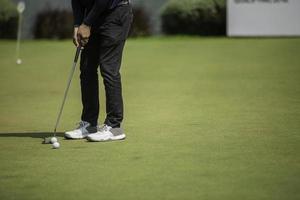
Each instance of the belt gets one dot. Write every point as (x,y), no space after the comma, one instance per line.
(123,2)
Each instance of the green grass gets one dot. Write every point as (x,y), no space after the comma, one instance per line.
(205,119)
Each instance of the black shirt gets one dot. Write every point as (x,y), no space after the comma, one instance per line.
(89,11)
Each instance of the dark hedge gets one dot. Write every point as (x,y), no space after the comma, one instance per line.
(194,17)
(54,24)
(8,19)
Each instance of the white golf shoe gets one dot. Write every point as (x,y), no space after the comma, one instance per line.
(82,131)
(107,133)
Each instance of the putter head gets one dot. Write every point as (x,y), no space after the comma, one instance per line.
(47,140)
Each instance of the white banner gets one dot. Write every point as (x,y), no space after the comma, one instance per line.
(263,17)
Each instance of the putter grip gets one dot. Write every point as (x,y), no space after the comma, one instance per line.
(77,54)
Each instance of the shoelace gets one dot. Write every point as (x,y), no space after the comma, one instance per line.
(103,128)
(81,124)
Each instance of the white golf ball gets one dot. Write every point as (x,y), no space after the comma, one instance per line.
(53,140)
(55,145)
(19,61)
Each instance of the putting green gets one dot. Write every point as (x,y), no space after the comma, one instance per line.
(209,118)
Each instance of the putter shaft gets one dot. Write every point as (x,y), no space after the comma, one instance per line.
(67,88)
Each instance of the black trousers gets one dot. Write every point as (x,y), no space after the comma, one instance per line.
(104,49)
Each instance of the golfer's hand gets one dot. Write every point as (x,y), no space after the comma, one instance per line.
(75,38)
(83,34)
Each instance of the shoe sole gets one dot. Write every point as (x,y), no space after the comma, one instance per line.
(114,138)
(71,138)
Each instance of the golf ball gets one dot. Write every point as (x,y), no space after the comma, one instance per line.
(19,61)
(53,140)
(55,145)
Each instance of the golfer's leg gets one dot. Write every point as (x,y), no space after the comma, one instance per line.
(114,32)
(110,70)
(89,81)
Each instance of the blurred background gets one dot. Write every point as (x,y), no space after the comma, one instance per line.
(212,104)
(52,19)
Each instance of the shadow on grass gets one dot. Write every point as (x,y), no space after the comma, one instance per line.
(30,134)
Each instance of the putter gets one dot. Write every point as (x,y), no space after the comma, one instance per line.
(78,50)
